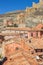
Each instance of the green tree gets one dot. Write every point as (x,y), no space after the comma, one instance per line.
(15,25)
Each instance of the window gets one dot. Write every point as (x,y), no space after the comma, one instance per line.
(36,34)
(35,8)
(17,48)
(38,50)
(32,34)
(42,28)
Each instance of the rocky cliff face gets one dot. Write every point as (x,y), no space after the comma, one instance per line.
(30,16)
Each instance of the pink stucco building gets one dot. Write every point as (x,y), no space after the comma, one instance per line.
(36,31)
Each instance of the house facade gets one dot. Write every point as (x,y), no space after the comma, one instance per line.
(36,31)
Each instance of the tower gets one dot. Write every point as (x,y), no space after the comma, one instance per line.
(40,0)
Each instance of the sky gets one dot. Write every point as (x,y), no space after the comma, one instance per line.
(12,5)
